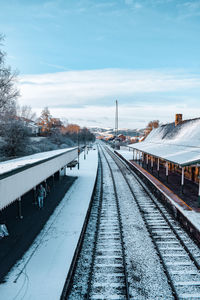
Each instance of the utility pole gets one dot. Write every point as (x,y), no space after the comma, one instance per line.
(116,119)
(116,123)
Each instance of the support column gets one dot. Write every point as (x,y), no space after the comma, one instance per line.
(53,180)
(34,195)
(142,158)
(182,180)
(158,167)
(19,208)
(133,154)
(84,153)
(199,190)
(139,153)
(147,160)
(152,164)
(167,172)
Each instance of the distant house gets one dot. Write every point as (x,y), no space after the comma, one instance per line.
(33,127)
(134,139)
(141,138)
(121,137)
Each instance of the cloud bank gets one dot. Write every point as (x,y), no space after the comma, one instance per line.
(88,96)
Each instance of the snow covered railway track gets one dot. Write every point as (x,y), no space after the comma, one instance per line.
(108,276)
(100,268)
(177,252)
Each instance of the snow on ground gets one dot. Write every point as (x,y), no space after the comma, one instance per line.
(16,163)
(193,216)
(148,280)
(41,273)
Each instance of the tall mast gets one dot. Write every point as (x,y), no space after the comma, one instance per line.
(116,119)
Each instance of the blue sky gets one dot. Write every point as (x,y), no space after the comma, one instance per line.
(103,49)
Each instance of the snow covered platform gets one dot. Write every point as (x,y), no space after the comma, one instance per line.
(189,217)
(42,271)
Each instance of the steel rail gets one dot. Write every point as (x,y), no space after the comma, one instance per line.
(117,160)
(173,230)
(96,232)
(160,210)
(69,279)
(121,229)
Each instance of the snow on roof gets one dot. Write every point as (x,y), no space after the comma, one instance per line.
(13,164)
(178,144)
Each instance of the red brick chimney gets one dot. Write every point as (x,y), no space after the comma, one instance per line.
(178,119)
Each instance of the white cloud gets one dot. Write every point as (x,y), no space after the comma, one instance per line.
(129,116)
(89,95)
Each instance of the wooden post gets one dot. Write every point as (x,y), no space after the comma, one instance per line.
(152,164)
(167,172)
(199,189)
(182,180)
(158,167)
(147,160)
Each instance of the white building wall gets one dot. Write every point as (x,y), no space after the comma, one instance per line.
(14,186)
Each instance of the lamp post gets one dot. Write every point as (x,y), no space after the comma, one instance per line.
(78,146)
(85,148)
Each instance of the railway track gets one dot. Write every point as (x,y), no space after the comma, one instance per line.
(178,254)
(106,275)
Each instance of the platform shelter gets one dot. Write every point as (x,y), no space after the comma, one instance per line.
(176,146)
(19,176)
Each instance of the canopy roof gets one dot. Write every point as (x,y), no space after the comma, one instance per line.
(27,161)
(177,144)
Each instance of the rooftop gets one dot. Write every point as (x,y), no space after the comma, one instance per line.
(177,144)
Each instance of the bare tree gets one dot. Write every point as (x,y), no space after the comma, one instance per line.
(26,112)
(45,121)
(150,126)
(8,90)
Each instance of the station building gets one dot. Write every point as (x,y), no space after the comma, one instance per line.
(174,146)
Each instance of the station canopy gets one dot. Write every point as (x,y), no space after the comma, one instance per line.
(177,144)
(16,164)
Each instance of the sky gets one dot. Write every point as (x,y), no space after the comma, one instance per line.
(78,56)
